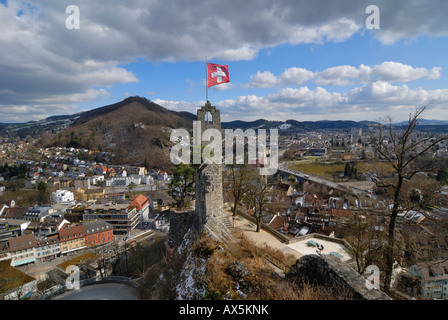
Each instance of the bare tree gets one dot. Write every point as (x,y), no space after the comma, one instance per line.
(401,149)
(239,178)
(365,238)
(257,197)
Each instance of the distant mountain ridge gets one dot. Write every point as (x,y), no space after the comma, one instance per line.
(147,104)
(136,129)
(427,122)
(424,125)
(299,125)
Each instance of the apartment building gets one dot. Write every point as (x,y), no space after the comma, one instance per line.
(47,249)
(434,278)
(62,196)
(98,232)
(141,203)
(122,216)
(72,238)
(22,249)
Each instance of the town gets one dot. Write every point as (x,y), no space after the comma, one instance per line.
(57,202)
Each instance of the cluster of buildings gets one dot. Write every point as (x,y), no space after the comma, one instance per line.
(84,193)
(346,144)
(64,168)
(7,147)
(26,248)
(304,214)
(42,233)
(88,204)
(343,144)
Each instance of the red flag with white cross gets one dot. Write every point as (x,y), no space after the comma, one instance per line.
(217,74)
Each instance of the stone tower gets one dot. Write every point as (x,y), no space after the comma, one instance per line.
(209,193)
(208,215)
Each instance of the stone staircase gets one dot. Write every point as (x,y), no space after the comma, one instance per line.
(226,220)
(220,227)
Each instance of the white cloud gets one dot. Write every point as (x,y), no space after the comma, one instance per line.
(371,101)
(265,79)
(344,75)
(304,97)
(296,76)
(338,76)
(387,71)
(382,93)
(398,72)
(179,105)
(43,61)
(434,73)
(223,86)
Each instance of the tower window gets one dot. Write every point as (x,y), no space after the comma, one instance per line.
(208,117)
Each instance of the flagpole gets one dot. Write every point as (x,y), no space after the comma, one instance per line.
(206,80)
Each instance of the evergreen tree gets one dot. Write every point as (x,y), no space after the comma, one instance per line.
(182,184)
(347,170)
(442,176)
(42,195)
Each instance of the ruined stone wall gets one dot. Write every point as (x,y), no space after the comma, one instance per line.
(180,225)
(331,272)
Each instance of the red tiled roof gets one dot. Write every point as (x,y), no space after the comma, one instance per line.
(340,213)
(22,242)
(278,222)
(74,233)
(140,202)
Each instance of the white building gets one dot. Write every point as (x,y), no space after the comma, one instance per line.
(62,196)
(122,181)
(96,179)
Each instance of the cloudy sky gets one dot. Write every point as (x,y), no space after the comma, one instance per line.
(288,59)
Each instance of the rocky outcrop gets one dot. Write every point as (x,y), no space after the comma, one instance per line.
(331,272)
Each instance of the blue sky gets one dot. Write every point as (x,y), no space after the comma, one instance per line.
(288,59)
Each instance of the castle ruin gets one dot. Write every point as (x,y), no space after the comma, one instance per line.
(208,215)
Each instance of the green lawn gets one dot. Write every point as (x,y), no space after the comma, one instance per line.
(333,170)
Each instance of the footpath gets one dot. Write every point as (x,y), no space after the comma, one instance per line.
(261,238)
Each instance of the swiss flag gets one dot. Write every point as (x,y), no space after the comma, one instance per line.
(217,74)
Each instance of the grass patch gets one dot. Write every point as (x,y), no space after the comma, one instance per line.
(77,260)
(11,278)
(324,170)
(332,170)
